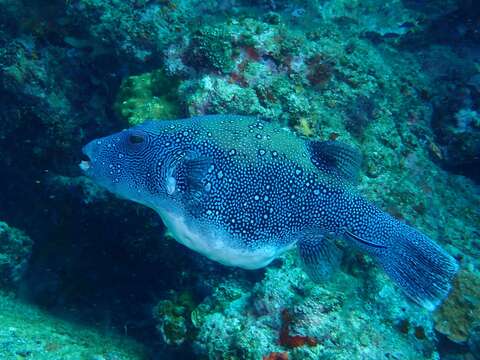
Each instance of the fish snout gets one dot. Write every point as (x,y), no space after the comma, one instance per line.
(88,156)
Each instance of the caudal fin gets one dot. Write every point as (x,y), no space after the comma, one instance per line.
(422,269)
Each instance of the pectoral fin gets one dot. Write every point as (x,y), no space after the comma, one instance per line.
(186,177)
(319,254)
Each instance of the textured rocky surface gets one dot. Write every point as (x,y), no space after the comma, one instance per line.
(29,333)
(15,251)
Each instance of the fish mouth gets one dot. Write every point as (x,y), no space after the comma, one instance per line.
(85,162)
(84,165)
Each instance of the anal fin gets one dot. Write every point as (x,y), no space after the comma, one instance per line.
(319,254)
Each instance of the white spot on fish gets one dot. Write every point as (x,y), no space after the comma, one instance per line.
(208,187)
(171,185)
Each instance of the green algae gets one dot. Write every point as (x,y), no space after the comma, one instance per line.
(151,95)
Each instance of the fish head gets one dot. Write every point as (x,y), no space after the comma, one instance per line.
(132,163)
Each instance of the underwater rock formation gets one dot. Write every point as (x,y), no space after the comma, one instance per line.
(173,318)
(349,316)
(458,317)
(15,251)
(456,122)
(30,333)
(211,47)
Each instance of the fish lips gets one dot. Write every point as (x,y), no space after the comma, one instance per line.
(86,162)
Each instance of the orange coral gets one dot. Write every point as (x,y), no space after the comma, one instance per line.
(276,356)
(287,340)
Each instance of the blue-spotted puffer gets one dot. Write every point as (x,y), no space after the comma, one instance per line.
(242,191)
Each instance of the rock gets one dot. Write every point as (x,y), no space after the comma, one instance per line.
(459,316)
(15,251)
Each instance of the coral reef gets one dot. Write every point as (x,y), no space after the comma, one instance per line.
(211,47)
(398,79)
(276,356)
(349,317)
(292,341)
(250,67)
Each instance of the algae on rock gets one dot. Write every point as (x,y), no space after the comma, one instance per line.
(151,95)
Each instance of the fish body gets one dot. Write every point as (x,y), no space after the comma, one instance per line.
(242,191)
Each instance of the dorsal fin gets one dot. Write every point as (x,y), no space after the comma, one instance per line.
(336,158)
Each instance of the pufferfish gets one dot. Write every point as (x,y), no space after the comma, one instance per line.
(242,191)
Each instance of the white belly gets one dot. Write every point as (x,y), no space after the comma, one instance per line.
(216,244)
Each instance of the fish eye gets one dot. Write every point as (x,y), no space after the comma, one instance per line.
(136,139)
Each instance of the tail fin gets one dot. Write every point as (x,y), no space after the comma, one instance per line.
(422,269)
